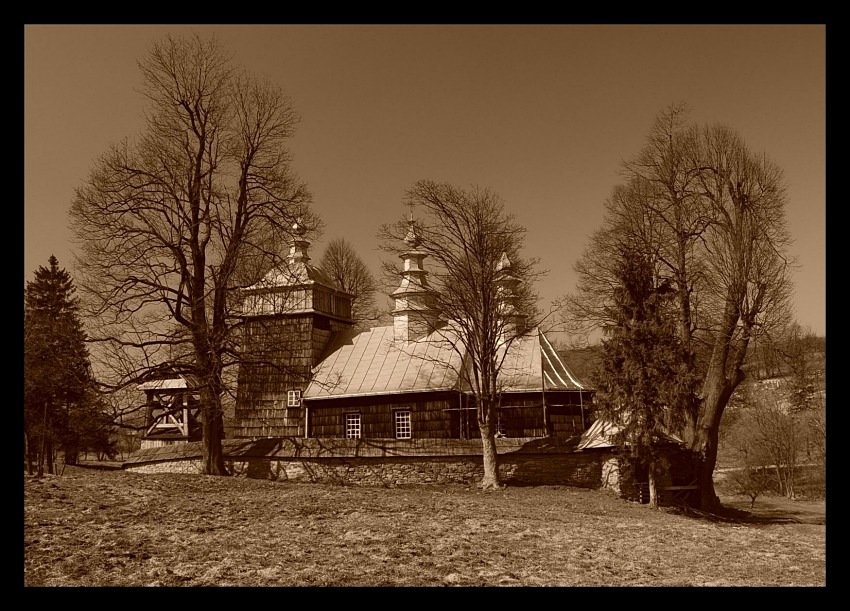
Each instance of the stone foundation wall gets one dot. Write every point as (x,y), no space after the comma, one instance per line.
(387,462)
(192,467)
(611,473)
(577,469)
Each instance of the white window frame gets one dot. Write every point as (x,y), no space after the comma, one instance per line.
(293,398)
(353,425)
(400,426)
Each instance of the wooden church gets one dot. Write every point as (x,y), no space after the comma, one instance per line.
(308,372)
(321,400)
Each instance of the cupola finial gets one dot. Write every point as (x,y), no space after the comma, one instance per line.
(412,238)
(298,247)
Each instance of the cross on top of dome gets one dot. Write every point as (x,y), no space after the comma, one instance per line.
(412,238)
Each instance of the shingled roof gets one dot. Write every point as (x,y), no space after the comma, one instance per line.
(179,382)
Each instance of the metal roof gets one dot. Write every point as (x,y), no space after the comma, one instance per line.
(598,435)
(602,431)
(532,364)
(370,362)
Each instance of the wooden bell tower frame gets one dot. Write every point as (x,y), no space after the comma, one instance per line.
(173,412)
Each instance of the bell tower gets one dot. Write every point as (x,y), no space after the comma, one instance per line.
(289,317)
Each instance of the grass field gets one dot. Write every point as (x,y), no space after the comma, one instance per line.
(115,528)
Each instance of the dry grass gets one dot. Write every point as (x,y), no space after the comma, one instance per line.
(115,528)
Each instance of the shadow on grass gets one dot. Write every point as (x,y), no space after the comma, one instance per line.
(761,517)
(99,466)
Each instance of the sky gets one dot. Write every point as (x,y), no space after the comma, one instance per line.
(544,115)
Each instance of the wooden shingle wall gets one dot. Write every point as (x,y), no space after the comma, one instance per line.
(278,355)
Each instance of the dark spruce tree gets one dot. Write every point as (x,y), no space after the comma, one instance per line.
(644,382)
(61,409)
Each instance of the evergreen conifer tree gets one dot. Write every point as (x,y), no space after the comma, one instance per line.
(61,409)
(644,383)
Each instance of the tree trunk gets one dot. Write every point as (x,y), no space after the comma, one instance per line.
(705,439)
(43,442)
(209,370)
(491,465)
(779,479)
(653,486)
(213,432)
(50,456)
(788,472)
(40,457)
(28,452)
(71,452)
(717,389)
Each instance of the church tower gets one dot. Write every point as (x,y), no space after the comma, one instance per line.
(514,322)
(413,318)
(289,318)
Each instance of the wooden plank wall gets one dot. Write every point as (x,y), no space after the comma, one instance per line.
(521,415)
(522,421)
(430,416)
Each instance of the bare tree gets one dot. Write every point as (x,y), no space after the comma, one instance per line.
(747,284)
(770,434)
(173,223)
(469,239)
(817,428)
(344,266)
(751,481)
(710,214)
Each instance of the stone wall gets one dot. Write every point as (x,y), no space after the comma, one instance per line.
(569,470)
(611,473)
(519,465)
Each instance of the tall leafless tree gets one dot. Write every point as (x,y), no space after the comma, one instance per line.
(466,234)
(710,214)
(173,223)
(344,266)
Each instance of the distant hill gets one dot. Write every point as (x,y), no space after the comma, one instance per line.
(803,355)
(582,361)
(763,363)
